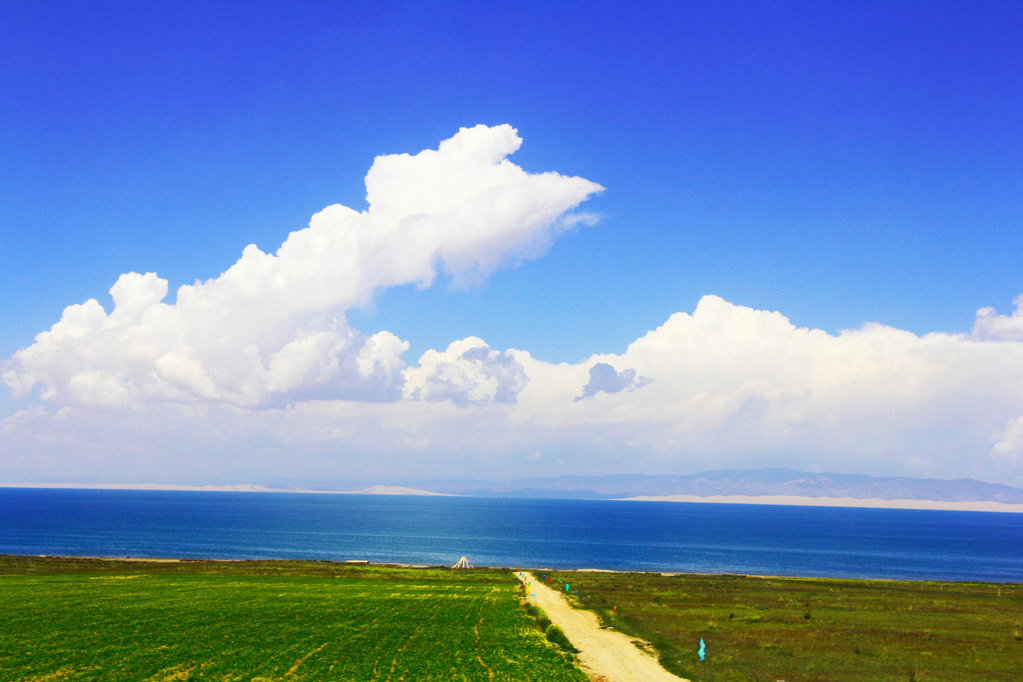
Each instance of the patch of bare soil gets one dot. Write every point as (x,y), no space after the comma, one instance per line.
(605,655)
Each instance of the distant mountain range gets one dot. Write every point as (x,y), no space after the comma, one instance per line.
(752,483)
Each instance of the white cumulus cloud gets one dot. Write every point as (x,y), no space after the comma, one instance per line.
(1010,442)
(272,329)
(729,386)
(721,386)
(469,372)
(990,326)
(735,386)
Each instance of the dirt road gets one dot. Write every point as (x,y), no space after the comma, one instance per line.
(605,655)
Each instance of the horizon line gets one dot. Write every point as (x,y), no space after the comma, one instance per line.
(768,500)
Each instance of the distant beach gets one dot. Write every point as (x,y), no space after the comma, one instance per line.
(779,500)
(870,503)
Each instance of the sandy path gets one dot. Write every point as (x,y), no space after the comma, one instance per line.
(605,655)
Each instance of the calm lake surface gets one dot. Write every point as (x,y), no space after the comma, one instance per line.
(636,536)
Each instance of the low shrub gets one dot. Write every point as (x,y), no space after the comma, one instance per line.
(556,636)
(539,615)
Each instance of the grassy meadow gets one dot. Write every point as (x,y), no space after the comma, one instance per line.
(99,619)
(796,629)
(80,619)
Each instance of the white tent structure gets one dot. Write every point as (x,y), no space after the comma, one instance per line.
(462,563)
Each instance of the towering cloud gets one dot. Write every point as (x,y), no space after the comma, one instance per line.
(263,360)
(271,329)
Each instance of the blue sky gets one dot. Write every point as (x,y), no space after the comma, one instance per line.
(839,163)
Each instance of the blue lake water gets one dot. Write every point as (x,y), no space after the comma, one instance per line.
(637,536)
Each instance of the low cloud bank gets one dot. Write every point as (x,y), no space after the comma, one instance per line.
(728,385)
(724,386)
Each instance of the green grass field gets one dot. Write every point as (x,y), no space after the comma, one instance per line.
(74,619)
(814,629)
(82,619)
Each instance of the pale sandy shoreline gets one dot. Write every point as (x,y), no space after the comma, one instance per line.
(782,500)
(238,488)
(871,503)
